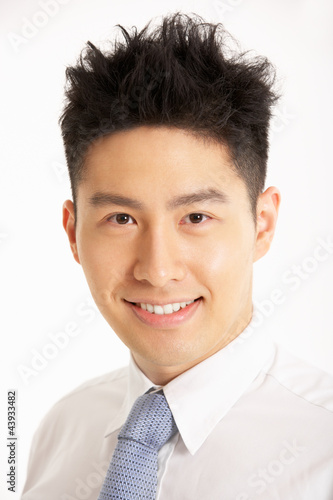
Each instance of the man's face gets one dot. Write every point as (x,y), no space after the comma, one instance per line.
(164,220)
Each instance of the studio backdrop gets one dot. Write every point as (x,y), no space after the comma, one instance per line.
(53,337)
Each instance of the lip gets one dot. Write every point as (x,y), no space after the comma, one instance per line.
(165,320)
(156,303)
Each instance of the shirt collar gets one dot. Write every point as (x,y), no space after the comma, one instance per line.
(137,384)
(201,396)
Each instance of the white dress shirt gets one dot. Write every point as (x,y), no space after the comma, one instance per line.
(255,423)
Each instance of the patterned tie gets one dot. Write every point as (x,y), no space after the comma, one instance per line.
(132,473)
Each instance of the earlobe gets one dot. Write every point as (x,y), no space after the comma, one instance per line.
(267,213)
(68,222)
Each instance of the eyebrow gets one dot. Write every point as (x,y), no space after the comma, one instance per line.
(100,199)
(210,194)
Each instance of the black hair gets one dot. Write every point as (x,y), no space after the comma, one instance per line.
(181,74)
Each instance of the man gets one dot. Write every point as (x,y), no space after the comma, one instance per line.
(166,139)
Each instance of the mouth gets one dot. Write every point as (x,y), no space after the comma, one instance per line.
(170,308)
(165,316)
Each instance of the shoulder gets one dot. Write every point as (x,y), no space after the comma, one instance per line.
(78,421)
(110,383)
(302,379)
(94,402)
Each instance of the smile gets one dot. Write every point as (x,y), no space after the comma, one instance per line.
(165,315)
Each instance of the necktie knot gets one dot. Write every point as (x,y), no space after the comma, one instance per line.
(150,421)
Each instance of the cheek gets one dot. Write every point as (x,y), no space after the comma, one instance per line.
(105,266)
(226,262)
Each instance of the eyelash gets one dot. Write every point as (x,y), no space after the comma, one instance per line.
(198,213)
(109,219)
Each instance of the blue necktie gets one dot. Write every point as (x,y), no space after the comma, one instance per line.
(132,473)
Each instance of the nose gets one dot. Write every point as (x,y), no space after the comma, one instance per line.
(159,257)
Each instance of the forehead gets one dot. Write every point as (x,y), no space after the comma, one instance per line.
(159,163)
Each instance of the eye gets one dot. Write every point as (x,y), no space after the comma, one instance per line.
(120,219)
(196,218)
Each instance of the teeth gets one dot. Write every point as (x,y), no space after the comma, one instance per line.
(158,310)
(166,309)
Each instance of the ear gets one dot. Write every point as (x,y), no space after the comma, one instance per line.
(267,213)
(68,221)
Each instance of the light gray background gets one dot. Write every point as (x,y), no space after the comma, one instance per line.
(43,289)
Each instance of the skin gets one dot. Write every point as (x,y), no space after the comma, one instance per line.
(162,254)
